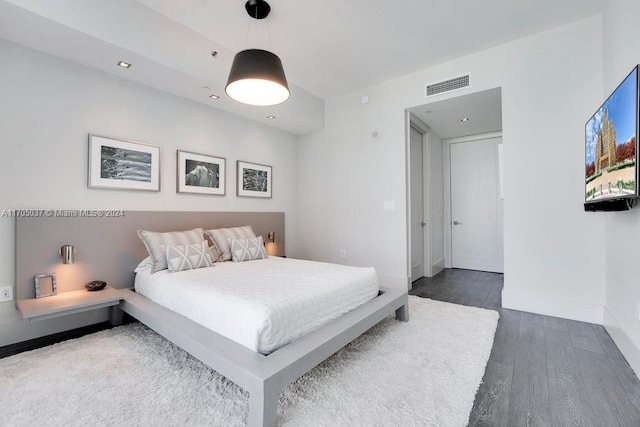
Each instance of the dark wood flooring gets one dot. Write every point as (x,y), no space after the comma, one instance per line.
(543,371)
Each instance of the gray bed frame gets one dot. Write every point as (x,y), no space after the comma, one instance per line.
(263,377)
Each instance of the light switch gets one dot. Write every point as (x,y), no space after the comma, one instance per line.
(389,205)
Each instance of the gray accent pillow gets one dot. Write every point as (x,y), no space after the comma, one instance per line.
(221,237)
(154,243)
(247,249)
(188,257)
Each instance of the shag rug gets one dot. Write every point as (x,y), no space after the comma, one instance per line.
(425,372)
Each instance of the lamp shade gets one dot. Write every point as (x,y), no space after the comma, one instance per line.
(67,252)
(257,78)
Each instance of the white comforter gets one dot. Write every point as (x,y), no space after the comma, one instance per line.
(262,304)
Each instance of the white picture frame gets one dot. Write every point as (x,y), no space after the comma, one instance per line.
(253,180)
(200,174)
(123,165)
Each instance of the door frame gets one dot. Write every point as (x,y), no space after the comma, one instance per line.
(426,196)
(447,187)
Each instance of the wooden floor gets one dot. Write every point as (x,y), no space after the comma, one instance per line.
(543,371)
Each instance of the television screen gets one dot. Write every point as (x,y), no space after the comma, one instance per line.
(611,145)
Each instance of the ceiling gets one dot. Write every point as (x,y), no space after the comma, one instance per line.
(447,117)
(328,48)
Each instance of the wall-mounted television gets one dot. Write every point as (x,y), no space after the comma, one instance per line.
(611,150)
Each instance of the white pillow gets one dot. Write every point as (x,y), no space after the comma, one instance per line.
(221,237)
(145,264)
(247,249)
(188,257)
(154,241)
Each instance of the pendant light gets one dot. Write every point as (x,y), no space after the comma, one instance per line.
(257,76)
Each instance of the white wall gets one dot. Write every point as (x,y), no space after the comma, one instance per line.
(549,81)
(48,108)
(622,229)
(345,178)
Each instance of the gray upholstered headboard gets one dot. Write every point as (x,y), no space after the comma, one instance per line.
(109,248)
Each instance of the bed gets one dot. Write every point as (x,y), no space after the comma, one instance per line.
(263,376)
(263,304)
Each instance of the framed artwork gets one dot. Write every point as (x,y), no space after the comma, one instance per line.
(253,180)
(201,174)
(123,165)
(45,285)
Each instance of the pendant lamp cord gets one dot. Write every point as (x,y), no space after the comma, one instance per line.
(269,34)
(255,21)
(246,45)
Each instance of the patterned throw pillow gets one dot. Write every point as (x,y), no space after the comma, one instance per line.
(247,249)
(222,236)
(188,257)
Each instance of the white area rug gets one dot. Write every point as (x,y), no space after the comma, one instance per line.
(422,373)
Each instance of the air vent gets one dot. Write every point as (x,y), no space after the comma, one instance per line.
(447,85)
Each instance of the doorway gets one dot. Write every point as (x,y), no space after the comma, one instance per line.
(455,120)
(420,253)
(425,210)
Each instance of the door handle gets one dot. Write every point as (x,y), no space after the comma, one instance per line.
(457,223)
(422,224)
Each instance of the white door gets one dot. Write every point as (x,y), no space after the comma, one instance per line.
(476,207)
(417,205)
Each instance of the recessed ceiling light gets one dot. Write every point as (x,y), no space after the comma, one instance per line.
(214,96)
(271,117)
(466,119)
(124,64)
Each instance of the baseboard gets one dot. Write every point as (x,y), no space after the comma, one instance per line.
(437,267)
(35,343)
(541,304)
(417,270)
(630,349)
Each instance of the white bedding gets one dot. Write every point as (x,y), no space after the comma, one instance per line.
(262,304)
